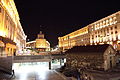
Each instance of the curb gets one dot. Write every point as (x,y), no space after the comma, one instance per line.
(64,77)
(60,74)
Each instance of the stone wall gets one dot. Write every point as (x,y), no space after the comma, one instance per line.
(6,63)
(89,61)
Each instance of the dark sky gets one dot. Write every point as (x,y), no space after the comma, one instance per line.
(58,18)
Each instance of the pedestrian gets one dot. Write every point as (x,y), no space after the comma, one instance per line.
(78,75)
(13,74)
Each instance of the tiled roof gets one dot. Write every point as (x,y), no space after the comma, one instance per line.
(88,49)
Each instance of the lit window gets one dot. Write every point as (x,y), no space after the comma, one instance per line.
(114,20)
(95,27)
(111,21)
(103,23)
(98,26)
(107,23)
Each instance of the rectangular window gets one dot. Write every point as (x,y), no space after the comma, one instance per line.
(115,32)
(111,32)
(98,32)
(111,28)
(116,37)
(107,30)
(115,27)
(0,10)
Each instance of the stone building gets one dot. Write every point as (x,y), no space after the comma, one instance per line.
(76,38)
(106,31)
(12,36)
(40,44)
(101,57)
(30,44)
(103,31)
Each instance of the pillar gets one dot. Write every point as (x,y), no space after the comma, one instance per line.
(60,62)
(63,60)
(50,65)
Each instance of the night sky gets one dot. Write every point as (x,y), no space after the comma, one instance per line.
(58,18)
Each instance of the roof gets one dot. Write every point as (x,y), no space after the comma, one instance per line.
(88,49)
(30,42)
(7,40)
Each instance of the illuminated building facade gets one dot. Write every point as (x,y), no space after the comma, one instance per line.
(76,38)
(41,44)
(30,44)
(12,36)
(20,38)
(104,31)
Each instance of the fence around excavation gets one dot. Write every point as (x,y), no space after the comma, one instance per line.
(32,58)
(37,58)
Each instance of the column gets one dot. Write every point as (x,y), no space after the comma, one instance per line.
(60,62)
(50,65)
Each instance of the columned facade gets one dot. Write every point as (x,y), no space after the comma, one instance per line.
(76,38)
(11,32)
(104,31)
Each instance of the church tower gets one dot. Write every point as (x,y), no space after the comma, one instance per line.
(41,42)
(40,35)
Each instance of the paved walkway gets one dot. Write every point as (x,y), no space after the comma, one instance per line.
(4,76)
(40,75)
(35,72)
(113,74)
